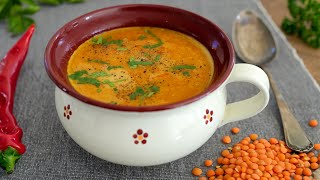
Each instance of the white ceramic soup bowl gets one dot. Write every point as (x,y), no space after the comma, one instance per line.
(150,135)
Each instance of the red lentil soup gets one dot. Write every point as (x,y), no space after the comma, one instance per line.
(140,66)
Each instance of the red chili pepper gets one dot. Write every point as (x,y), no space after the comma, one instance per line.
(11,147)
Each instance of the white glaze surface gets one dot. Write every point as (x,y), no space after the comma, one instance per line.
(172,134)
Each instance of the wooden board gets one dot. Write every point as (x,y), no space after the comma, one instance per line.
(311,57)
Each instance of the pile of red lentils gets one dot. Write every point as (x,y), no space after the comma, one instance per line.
(257,158)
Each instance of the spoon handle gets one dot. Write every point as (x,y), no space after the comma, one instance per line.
(295,136)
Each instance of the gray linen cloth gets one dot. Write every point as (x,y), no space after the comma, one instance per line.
(52,154)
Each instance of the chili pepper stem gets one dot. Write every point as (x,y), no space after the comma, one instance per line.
(8,159)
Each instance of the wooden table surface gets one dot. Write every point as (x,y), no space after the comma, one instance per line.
(311,57)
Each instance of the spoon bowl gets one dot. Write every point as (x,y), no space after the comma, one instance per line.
(252,40)
(254,44)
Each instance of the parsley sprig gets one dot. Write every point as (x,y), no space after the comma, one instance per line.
(134,64)
(83,77)
(16,13)
(113,67)
(305,21)
(144,92)
(151,46)
(184,68)
(179,67)
(97,61)
(106,41)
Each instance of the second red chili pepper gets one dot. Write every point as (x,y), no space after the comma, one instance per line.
(11,147)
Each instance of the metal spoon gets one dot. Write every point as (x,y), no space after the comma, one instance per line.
(255,44)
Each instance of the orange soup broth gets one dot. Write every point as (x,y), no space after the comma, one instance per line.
(170,83)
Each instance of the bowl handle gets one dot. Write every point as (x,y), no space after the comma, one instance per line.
(249,107)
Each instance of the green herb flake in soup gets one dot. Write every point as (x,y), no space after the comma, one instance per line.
(140,66)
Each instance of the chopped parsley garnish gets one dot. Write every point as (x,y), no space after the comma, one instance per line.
(144,93)
(111,84)
(157,58)
(106,41)
(139,92)
(183,67)
(99,74)
(99,90)
(186,73)
(142,37)
(113,67)
(154,88)
(97,61)
(92,78)
(98,40)
(89,80)
(152,46)
(76,75)
(122,49)
(134,64)
(85,80)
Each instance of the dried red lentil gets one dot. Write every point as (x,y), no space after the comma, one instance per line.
(254,158)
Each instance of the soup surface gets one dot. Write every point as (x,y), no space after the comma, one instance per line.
(140,66)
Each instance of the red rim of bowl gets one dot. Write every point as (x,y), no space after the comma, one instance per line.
(69,89)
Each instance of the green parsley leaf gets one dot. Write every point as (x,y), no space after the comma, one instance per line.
(5,6)
(15,12)
(92,79)
(100,40)
(113,67)
(97,61)
(140,92)
(132,59)
(51,2)
(134,64)
(186,73)
(99,90)
(183,67)
(154,88)
(111,84)
(150,94)
(27,7)
(106,41)
(157,58)
(304,21)
(142,37)
(159,41)
(89,80)
(76,75)
(118,42)
(142,63)
(17,24)
(99,74)
(121,49)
